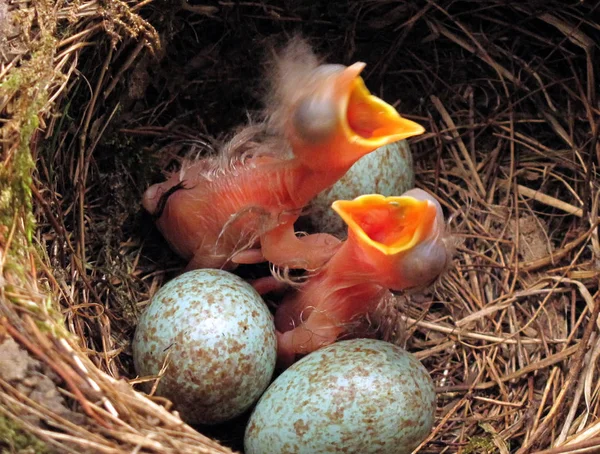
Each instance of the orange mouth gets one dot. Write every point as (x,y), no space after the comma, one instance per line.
(391,225)
(370,121)
(340,121)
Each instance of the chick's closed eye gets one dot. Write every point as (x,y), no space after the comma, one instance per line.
(314,119)
(424,263)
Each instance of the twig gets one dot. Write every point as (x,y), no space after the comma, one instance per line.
(571,380)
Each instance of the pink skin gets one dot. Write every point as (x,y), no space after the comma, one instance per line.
(224,214)
(257,203)
(355,280)
(318,313)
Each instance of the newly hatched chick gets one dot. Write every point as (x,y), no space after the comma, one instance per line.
(217,212)
(394,243)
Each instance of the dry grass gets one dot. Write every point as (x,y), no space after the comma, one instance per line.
(514,347)
(511,334)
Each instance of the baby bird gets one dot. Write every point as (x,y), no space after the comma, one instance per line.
(240,207)
(394,243)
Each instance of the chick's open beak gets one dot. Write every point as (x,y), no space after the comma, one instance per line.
(338,120)
(403,238)
(367,120)
(391,225)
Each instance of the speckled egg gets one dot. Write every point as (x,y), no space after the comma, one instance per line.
(387,171)
(355,396)
(217,336)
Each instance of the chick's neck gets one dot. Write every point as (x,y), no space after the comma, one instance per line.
(347,287)
(303,183)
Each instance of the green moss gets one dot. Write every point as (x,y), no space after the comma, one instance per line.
(15,180)
(24,165)
(14,439)
(480,445)
(25,86)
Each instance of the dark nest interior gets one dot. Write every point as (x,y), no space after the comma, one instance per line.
(99,97)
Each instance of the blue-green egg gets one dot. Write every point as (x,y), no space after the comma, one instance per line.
(357,396)
(216,337)
(387,171)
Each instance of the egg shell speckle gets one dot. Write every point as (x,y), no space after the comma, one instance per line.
(356,396)
(387,171)
(221,342)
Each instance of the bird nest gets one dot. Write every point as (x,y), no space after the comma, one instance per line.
(98,97)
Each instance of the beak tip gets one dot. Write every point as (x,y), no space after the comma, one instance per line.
(355,69)
(337,206)
(417,129)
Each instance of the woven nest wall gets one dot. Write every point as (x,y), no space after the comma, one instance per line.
(98,97)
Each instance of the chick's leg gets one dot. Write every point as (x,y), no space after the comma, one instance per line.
(248,257)
(283,248)
(318,331)
(202,260)
(268,284)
